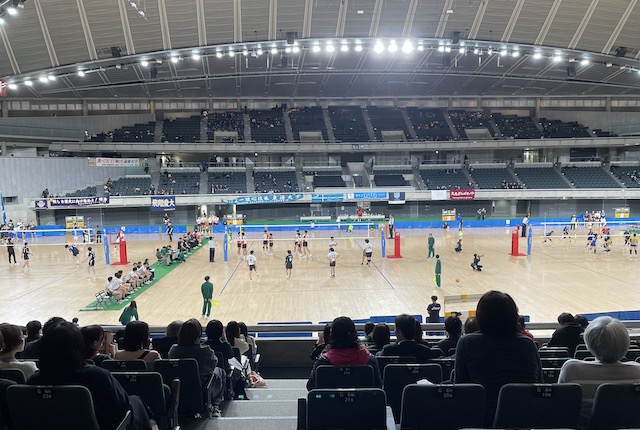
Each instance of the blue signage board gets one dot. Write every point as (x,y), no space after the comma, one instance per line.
(265,198)
(371,195)
(58,202)
(320,198)
(163,203)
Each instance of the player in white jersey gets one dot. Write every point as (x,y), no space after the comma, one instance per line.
(91,257)
(288,263)
(251,262)
(367,252)
(265,242)
(305,244)
(332,242)
(298,244)
(332,256)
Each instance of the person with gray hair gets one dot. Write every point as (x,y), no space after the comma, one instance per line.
(608,340)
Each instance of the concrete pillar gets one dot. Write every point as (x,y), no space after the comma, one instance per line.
(3,147)
(607,107)
(5,108)
(152,106)
(538,105)
(85,108)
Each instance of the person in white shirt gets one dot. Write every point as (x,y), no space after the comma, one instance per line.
(332,242)
(212,249)
(332,256)
(367,252)
(525,224)
(251,262)
(305,245)
(113,288)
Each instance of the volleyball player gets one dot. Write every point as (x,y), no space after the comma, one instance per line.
(590,236)
(243,241)
(367,252)
(633,245)
(74,252)
(170,231)
(25,256)
(239,243)
(91,256)
(270,243)
(627,237)
(251,262)
(298,244)
(332,242)
(547,237)
(593,245)
(288,263)
(332,256)
(265,242)
(305,244)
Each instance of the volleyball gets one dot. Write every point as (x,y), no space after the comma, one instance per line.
(457,279)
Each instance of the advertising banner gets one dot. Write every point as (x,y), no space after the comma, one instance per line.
(163,203)
(462,194)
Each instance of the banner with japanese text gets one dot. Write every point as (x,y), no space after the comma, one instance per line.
(163,203)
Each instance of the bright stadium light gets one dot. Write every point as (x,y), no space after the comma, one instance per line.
(28,83)
(259,51)
(392,46)
(43,79)
(295,49)
(144,63)
(447,49)
(52,77)
(12,86)
(503,53)
(537,55)
(219,54)
(407,47)
(274,50)
(557,58)
(344,48)
(316,48)
(420,48)
(379,47)
(174,59)
(584,62)
(515,54)
(358,48)
(330,47)
(440,48)
(231,53)
(12,11)
(287,50)
(245,52)
(80,73)
(476,51)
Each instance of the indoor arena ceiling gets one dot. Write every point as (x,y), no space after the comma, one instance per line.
(378,48)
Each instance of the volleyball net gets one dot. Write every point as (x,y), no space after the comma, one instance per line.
(313,231)
(580,229)
(49,237)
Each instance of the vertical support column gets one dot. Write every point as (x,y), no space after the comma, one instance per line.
(85,108)
(5,108)
(383,243)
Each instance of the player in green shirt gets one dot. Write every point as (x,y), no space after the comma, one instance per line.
(438,270)
(432,242)
(129,313)
(207,296)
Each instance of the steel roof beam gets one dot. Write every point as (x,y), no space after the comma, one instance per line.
(618,29)
(86,29)
(53,57)
(126,28)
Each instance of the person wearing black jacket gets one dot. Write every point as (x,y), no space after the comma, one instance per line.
(406,345)
(164,344)
(569,334)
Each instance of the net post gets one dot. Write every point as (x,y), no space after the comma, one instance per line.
(105,243)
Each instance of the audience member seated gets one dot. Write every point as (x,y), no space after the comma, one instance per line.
(498,354)
(216,341)
(34,329)
(14,343)
(267,126)
(368,332)
(181,130)
(225,121)
(235,338)
(189,346)
(517,127)
(275,181)
(4,407)
(381,336)
(136,344)
(387,119)
(554,128)
(136,133)
(309,119)
(471,325)
(453,330)
(164,344)
(321,343)
(569,334)
(405,345)
(93,336)
(608,340)
(470,119)
(62,363)
(345,349)
(32,349)
(251,341)
(522,326)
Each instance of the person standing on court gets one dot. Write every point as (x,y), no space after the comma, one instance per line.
(431,242)
(11,250)
(434,310)
(288,263)
(212,249)
(391,223)
(438,270)
(170,231)
(525,225)
(207,295)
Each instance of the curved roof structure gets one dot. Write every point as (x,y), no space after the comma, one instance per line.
(280,48)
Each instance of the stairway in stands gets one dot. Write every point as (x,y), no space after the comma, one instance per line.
(273,408)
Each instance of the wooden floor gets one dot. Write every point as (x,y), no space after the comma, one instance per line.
(558,277)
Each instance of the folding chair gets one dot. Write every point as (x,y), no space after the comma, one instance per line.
(553,363)
(195,398)
(344,376)
(615,406)
(447,364)
(538,406)
(385,360)
(455,406)
(103,299)
(348,409)
(16,375)
(162,400)
(124,365)
(398,376)
(69,406)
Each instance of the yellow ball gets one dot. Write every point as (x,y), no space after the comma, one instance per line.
(457,279)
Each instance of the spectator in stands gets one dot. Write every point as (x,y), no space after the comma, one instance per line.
(368,332)
(164,344)
(62,363)
(13,344)
(345,349)
(582,321)
(32,349)
(381,336)
(136,344)
(216,341)
(189,346)
(522,327)
(471,325)
(321,343)
(498,354)
(33,330)
(405,344)
(608,340)
(93,336)
(453,330)
(249,339)
(569,334)
(418,335)
(235,338)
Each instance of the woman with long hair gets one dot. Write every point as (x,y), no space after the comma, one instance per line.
(14,342)
(344,348)
(137,344)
